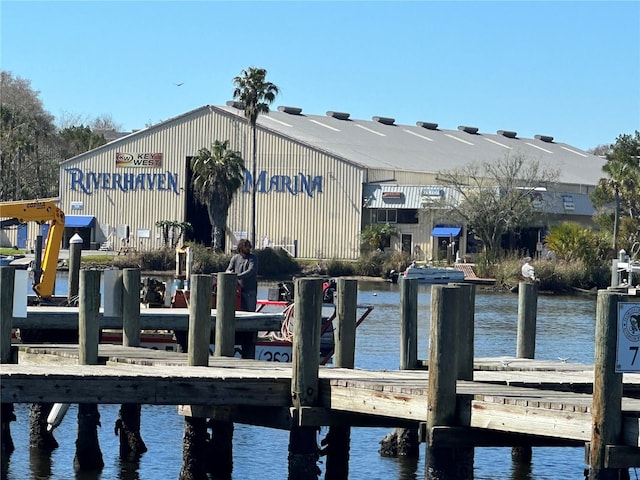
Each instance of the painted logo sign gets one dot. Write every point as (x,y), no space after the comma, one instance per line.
(138,160)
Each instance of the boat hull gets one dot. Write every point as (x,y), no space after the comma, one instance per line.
(433,275)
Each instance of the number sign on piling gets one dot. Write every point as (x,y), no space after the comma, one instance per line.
(628,344)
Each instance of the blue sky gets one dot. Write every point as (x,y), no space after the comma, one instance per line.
(568,69)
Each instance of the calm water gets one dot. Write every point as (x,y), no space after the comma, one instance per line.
(565,328)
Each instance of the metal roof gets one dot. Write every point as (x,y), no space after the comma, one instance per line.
(380,143)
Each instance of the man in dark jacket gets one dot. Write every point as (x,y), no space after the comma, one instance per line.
(245,265)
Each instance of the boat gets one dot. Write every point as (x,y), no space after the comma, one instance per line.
(429,274)
(270,346)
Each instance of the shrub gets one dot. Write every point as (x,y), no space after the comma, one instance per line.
(340,268)
(370,264)
(275,262)
(205,260)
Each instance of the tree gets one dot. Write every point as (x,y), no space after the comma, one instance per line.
(77,140)
(621,186)
(377,236)
(256,95)
(494,198)
(172,231)
(29,148)
(217,175)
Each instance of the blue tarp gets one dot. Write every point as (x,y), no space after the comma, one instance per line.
(78,221)
(445,231)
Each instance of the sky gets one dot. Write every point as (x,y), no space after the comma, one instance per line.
(568,69)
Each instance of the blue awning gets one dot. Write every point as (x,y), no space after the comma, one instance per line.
(445,231)
(78,221)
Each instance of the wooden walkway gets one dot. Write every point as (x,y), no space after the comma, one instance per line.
(550,402)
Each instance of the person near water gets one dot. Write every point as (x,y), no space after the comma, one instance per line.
(245,265)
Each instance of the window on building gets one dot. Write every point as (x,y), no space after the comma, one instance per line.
(408,215)
(385,215)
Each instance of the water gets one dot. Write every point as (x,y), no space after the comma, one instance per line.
(565,328)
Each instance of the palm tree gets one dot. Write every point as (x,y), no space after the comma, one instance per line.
(217,175)
(620,175)
(256,94)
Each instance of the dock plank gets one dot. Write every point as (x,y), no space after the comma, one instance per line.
(522,399)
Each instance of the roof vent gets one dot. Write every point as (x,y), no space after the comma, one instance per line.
(544,138)
(234,104)
(471,130)
(290,110)
(427,125)
(338,115)
(385,120)
(507,133)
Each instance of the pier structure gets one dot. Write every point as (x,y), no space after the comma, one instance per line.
(519,402)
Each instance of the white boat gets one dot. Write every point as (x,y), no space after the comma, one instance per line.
(431,275)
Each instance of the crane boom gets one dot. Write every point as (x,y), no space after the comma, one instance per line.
(41,211)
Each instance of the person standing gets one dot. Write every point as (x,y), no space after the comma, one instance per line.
(245,265)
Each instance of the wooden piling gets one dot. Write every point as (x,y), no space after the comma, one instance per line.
(404,441)
(409,324)
(303,448)
(7,415)
(194,440)
(225,314)
(75,259)
(527,313)
(199,320)
(466,326)
(128,424)
(131,307)
(444,462)
(220,456)
(606,411)
(336,443)
(88,456)
(526,345)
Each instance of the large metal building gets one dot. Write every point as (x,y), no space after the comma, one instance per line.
(320,180)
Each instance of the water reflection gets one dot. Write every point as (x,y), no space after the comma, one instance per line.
(40,463)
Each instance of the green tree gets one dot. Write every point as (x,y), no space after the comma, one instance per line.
(77,140)
(256,95)
(172,231)
(217,175)
(570,241)
(494,198)
(377,236)
(29,150)
(621,186)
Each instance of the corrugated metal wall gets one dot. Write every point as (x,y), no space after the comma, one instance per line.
(325,224)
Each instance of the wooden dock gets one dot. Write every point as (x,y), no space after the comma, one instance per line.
(538,398)
(452,400)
